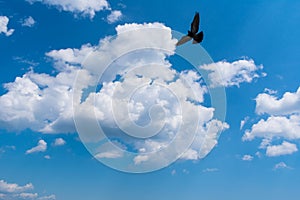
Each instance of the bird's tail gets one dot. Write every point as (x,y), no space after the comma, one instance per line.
(199,37)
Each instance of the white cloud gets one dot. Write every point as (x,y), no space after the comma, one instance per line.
(109,154)
(47,157)
(25,195)
(270,104)
(284,119)
(3,26)
(281,165)
(270,91)
(106,151)
(114,16)
(173,172)
(47,107)
(59,142)
(17,192)
(140,158)
(243,122)
(285,148)
(65,58)
(210,170)
(247,158)
(282,122)
(265,143)
(85,8)
(190,154)
(5,148)
(49,197)
(13,187)
(22,60)
(29,22)
(232,74)
(275,126)
(258,154)
(41,147)
(207,138)
(49,99)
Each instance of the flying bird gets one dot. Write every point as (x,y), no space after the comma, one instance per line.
(193,33)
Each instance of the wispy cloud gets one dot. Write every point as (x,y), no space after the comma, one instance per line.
(243,122)
(41,147)
(28,22)
(247,158)
(15,191)
(59,142)
(3,149)
(13,187)
(210,170)
(84,8)
(114,16)
(173,172)
(281,165)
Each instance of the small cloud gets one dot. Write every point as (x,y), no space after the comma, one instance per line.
(47,157)
(109,154)
(279,77)
(84,8)
(114,16)
(273,105)
(190,154)
(13,187)
(121,5)
(185,171)
(6,148)
(265,143)
(140,158)
(243,122)
(258,154)
(3,26)
(233,74)
(49,197)
(173,172)
(15,191)
(285,148)
(22,60)
(29,22)
(210,170)
(247,158)
(26,195)
(41,147)
(270,91)
(281,165)
(59,142)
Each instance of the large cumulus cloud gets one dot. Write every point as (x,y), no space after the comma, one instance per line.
(124,85)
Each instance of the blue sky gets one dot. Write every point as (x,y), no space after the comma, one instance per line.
(254,46)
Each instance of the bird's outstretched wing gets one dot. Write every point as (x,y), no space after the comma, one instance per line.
(183,40)
(198,38)
(195,24)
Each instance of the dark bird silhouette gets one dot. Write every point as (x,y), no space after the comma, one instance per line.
(192,34)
